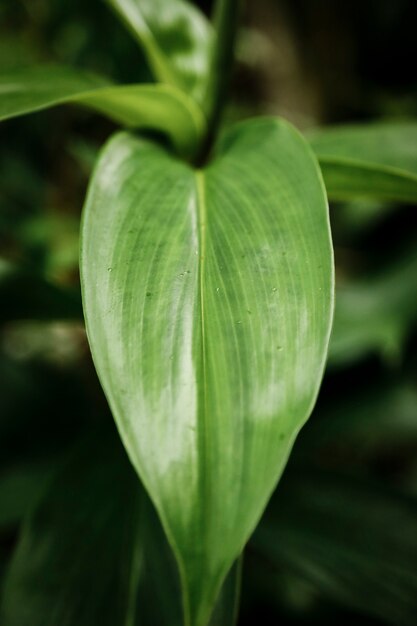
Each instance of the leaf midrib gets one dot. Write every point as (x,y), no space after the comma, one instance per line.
(203,437)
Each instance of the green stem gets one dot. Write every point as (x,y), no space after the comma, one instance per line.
(226,18)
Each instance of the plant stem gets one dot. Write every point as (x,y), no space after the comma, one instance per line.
(225,19)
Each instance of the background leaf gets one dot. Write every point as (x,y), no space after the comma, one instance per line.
(208,309)
(375,314)
(353,539)
(158,107)
(376,160)
(94,528)
(176,38)
(18,488)
(380,414)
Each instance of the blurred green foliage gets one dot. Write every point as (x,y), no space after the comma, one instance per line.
(338,543)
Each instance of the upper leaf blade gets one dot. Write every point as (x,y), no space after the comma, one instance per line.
(208,303)
(376,160)
(176,38)
(157,107)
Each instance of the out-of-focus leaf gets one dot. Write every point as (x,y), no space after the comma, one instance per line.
(380,413)
(377,161)
(355,541)
(15,167)
(375,315)
(18,488)
(27,296)
(176,37)
(95,529)
(157,107)
(15,51)
(208,306)
(354,218)
(85,153)
(82,536)
(388,144)
(55,237)
(227,607)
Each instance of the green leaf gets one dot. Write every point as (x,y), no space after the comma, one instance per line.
(355,540)
(176,37)
(375,314)
(377,161)
(358,218)
(81,536)
(157,107)
(19,486)
(227,606)
(95,529)
(208,303)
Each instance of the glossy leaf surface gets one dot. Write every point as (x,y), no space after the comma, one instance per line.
(208,302)
(94,528)
(157,107)
(377,160)
(176,38)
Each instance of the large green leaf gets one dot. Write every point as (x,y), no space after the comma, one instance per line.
(176,37)
(355,540)
(158,107)
(377,160)
(94,529)
(208,302)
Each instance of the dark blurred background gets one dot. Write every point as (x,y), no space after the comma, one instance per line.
(339,542)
